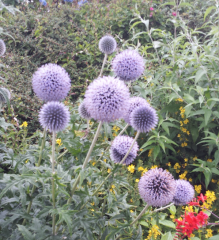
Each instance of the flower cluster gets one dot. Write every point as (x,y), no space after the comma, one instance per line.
(157,187)
(120,147)
(128,65)
(191,221)
(154,231)
(106,99)
(107,44)
(51,82)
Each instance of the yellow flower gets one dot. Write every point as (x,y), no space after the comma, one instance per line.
(92,203)
(104,160)
(198,188)
(93,163)
(137,180)
(109,170)
(172,216)
(92,210)
(187,132)
(190,179)
(209,233)
(131,168)
(181,123)
(186,159)
(141,150)
(140,169)
(27,161)
(169,164)
(176,166)
(131,200)
(152,84)
(24,124)
(195,158)
(186,121)
(154,166)
(177,171)
(145,170)
(178,135)
(59,141)
(131,211)
(113,186)
(153,232)
(213,180)
(114,135)
(209,160)
(179,99)
(150,152)
(189,208)
(182,144)
(182,116)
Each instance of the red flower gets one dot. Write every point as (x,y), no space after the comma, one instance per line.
(202,198)
(174,14)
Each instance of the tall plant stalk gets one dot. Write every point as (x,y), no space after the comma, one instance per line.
(53,182)
(86,160)
(38,164)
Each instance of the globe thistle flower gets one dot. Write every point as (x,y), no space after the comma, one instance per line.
(43,2)
(2,47)
(83,111)
(157,187)
(106,99)
(144,118)
(54,116)
(51,82)
(5,92)
(184,192)
(128,65)
(107,44)
(120,147)
(134,102)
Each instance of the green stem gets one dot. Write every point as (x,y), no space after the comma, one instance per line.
(123,130)
(53,182)
(104,61)
(140,215)
(136,137)
(61,155)
(162,208)
(113,171)
(38,164)
(86,160)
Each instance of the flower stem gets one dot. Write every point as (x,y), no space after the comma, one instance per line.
(114,168)
(140,215)
(123,130)
(162,208)
(136,137)
(53,182)
(38,164)
(86,160)
(104,61)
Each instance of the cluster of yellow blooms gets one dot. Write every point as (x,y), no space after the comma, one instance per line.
(154,231)
(116,129)
(183,175)
(131,168)
(209,233)
(24,124)
(179,99)
(143,170)
(59,141)
(150,152)
(198,188)
(210,199)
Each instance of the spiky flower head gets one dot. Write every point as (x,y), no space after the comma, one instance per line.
(51,82)
(157,187)
(134,102)
(107,44)
(144,118)
(106,99)
(83,111)
(2,47)
(4,92)
(120,147)
(54,116)
(128,65)
(184,192)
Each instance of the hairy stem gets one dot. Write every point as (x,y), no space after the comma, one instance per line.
(53,182)
(140,215)
(38,164)
(86,160)
(104,62)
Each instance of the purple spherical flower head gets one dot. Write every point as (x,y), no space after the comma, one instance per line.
(51,82)
(83,111)
(54,116)
(120,147)
(128,65)
(157,187)
(134,102)
(144,118)
(107,44)
(2,47)
(184,192)
(106,99)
